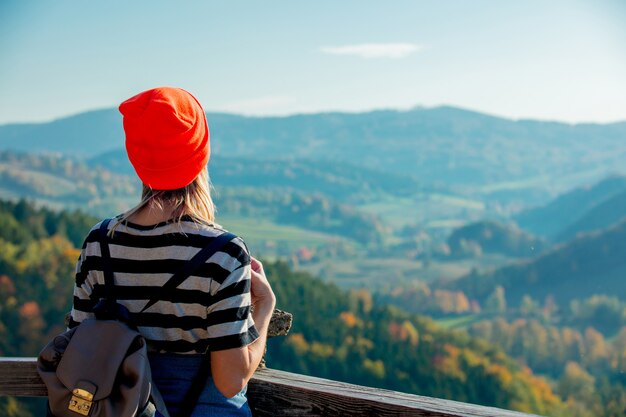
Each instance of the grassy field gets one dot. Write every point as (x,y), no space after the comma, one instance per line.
(41,182)
(444,224)
(457,322)
(457,201)
(386,273)
(550,182)
(265,236)
(424,208)
(355,269)
(365,272)
(395,211)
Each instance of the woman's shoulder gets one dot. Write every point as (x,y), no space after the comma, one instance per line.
(93,233)
(211,231)
(231,255)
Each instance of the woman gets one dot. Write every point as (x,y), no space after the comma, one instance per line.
(167,140)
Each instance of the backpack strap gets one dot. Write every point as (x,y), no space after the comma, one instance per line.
(109,281)
(108,308)
(193,264)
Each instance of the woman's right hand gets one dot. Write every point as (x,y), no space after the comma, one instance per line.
(261,290)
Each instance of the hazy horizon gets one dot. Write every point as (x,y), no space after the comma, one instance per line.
(331,111)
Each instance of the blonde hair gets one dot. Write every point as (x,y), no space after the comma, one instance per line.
(192,200)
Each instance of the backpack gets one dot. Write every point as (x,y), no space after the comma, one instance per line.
(100,368)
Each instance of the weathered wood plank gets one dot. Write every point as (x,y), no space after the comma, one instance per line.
(19,378)
(278,393)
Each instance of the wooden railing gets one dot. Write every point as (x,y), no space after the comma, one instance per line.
(282,394)
(274,393)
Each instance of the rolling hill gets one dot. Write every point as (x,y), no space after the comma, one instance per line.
(61,182)
(558,217)
(444,145)
(82,134)
(608,212)
(493,237)
(590,264)
(344,182)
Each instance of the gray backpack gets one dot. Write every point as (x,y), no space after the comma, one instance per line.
(100,368)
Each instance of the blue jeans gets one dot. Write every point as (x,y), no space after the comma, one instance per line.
(173,374)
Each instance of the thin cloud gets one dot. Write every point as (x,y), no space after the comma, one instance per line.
(374,50)
(259,105)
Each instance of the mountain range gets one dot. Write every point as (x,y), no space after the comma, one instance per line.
(593,263)
(581,209)
(474,152)
(375,162)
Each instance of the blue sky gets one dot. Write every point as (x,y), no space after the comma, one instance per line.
(556,60)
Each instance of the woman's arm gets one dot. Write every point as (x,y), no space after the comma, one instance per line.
(232,368)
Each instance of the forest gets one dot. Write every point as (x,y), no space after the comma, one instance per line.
(435,251)
(538,361)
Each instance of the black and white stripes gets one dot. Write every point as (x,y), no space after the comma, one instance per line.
(209,310)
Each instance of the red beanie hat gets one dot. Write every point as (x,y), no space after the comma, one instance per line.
(167,137)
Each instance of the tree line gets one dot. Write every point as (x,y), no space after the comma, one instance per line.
(337,334)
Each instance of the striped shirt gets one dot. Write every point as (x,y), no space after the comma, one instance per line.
(209,310)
